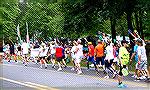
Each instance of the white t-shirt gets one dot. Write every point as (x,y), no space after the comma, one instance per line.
(142,51)
(79,53)
(52,48)
(43,53)
(73,49)
(109,52)
(25,48)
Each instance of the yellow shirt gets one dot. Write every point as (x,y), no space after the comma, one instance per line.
(124,55)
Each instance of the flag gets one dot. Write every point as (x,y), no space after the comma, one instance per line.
(18,33)
(27,36)
(3,41)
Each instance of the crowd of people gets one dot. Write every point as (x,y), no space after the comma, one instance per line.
(104,54)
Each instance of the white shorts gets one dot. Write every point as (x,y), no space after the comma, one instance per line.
(7,52)
(78,59)
(19,53)
(73,56)
(115,59)
(1,53)
(136,66)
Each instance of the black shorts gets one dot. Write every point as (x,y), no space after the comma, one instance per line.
(42,57)
(49,58)
(59,59)
(120,72)
(52,56)
(107,64)
(12,53)
(63,57)
(98,59)
(25,55)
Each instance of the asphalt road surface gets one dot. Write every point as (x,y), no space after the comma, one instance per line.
(16,76)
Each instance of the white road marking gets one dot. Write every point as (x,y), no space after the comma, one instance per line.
(29,84)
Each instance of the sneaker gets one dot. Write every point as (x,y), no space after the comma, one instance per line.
(97,70)
(23,63)
(107,77)
(45,67)
(122,86)
(138,79)
(147,80)
(79,72)
(59,69)
(134,76)
(26,65)
(65,66)
(142,77)
(100,66)
(87,69)
(92,65)
(72,69)
(114,75)
(104,72)
(53,66)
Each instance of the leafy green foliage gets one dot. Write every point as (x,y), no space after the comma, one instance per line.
(71,18)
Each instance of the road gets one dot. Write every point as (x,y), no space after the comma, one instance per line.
(16,76)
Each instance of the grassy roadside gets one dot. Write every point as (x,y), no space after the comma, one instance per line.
(84,63)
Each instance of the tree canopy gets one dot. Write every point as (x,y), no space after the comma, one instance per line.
(73,18)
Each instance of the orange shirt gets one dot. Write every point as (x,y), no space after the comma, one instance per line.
(99,50)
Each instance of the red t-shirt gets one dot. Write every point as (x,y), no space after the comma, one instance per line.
(91,50)
(59,52)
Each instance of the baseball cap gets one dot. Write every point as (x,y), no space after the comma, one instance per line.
(124,41)
(79,41)
(89,42)
(139,40)
(99,41)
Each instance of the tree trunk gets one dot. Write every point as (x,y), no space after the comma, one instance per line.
(137,23)
(129,14)
(140,20)
(113,30)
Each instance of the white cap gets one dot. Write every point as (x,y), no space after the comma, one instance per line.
(79,41)
(135,38)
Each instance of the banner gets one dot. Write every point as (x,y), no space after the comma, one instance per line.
(18,33)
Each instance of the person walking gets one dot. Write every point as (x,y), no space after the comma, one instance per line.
(123,60)
(99,54)
(91,56)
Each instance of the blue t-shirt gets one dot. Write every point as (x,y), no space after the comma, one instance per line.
(135,50)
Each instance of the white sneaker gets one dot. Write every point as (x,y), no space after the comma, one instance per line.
(106,77)
(143,77)
(134,76)
(79,72)
(72,69)
(100,66)
(92,65)
(59,69)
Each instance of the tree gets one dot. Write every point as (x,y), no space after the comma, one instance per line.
(9,10)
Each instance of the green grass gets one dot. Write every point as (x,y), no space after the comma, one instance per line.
(84,63)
